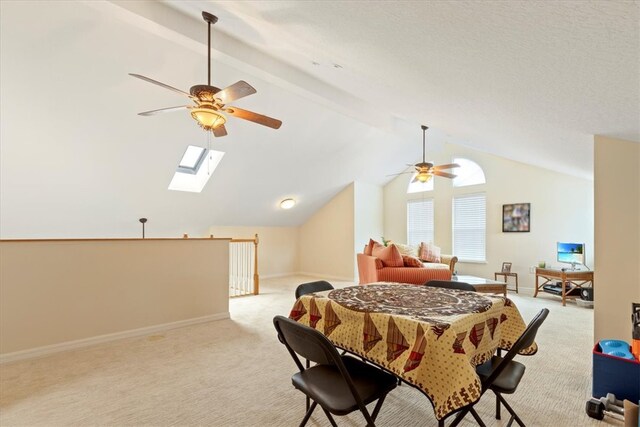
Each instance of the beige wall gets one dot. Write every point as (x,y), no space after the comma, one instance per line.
(277,248)
(327,239)
(617,236)
(368,215)
(561,210)
(53,292)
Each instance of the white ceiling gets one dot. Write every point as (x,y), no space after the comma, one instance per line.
(528,81)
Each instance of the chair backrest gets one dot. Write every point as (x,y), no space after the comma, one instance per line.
(311,287)
(305,341)
(526,339)
(451,284)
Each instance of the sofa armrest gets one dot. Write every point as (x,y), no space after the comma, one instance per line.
(367,268)
(450,260)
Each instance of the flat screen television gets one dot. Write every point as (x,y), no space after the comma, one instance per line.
(571,253)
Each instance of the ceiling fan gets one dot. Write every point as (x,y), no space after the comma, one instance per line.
(209,102)
(425,170)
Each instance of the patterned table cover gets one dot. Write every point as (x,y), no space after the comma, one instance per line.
(431,337)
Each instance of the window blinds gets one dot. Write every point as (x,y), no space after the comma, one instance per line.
(469,227)
(419,221)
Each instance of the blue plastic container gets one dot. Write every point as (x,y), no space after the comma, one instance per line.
(616,375)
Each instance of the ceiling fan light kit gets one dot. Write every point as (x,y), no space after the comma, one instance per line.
(210,101)
(425,170)
(207,117)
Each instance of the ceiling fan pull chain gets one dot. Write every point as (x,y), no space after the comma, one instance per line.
(209,153)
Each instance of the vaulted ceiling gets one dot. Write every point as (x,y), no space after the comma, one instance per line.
(528,81)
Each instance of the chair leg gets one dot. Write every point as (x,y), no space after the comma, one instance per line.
(497,407)
(458,418)
(376,410)
(308,414)
(331,420)
(514,416)
(308,365)
(477,417)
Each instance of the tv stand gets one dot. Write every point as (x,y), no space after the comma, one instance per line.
(570,280)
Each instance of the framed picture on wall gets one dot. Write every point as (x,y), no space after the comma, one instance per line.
(516,217)
(506,267)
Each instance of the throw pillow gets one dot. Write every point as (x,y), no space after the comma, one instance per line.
(407,250)
(410,261)
(389,255)
(429,252)
(368,250)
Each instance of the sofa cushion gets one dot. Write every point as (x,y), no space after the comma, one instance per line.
(435,265)
(429,252)
(368,250)
(389,255)
(410,250)
(411,261)
(417,276)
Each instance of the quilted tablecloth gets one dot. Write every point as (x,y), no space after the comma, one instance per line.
(431,337)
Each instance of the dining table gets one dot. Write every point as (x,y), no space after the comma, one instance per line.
(431,338)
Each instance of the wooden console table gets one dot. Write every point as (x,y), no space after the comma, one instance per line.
(573,278)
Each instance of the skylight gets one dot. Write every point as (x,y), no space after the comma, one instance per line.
(195,169)
(192,158)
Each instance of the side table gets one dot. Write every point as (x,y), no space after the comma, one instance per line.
(506,278)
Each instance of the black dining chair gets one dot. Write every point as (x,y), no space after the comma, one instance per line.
(502,375)
(311,287)
(450,284)
(339,384)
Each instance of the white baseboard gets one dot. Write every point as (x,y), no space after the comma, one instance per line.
(275,276)
(86,342)
(325,276)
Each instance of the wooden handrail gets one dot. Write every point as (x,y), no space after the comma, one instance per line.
(116,239)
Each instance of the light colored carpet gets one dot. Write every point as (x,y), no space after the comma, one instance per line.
(236,373)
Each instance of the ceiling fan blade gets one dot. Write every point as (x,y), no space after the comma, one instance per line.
(163,110)
(449,166)
(443,174)
(235,91)
(220,131)
(254,117)
(155,82)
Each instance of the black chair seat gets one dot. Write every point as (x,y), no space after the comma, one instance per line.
(503,374)
(324,384)
(338,384)
(508,380)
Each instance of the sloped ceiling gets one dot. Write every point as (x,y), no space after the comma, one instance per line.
(530,82)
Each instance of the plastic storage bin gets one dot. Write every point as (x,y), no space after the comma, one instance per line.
(615,375)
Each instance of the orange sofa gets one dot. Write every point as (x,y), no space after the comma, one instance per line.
(370,269)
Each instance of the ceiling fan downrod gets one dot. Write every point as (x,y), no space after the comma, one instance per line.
(210,19)
(424,132)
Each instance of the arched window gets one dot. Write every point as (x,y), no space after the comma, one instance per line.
(469,173)
(419,187)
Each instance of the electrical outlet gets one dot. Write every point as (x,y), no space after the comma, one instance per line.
(532,270)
